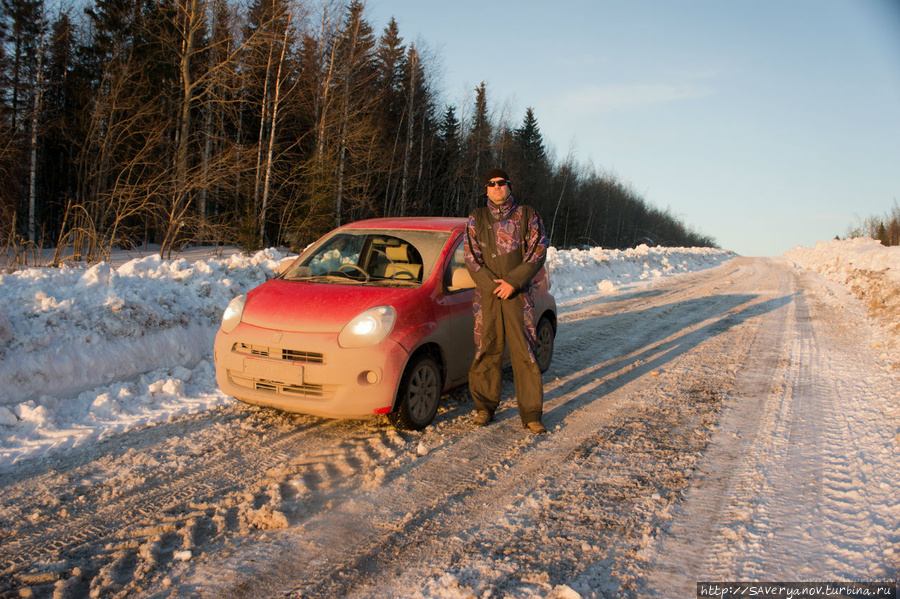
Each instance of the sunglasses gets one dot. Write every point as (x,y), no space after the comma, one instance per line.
(500,183)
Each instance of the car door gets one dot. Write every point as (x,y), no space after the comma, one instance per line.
(458,322)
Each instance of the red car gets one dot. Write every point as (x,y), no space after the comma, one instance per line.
(373,318)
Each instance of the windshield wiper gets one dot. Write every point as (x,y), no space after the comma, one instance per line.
(319,278)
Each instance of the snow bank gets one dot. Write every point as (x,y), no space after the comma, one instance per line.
(579,273)
(86,352)
(867,269)
(64,330)
(93,351)
(839,259)
(90,351)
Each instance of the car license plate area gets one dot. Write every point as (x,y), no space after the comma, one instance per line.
(285,372)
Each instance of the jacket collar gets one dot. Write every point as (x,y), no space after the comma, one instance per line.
(504,210)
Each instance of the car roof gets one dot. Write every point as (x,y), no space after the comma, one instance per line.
(420,223)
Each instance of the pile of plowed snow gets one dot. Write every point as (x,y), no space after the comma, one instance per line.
(90,351)
(867,269)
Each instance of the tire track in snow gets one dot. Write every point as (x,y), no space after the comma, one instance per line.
(294,505)
(804,503)
(698,531)
(825,492)
(443,495)
(119,532)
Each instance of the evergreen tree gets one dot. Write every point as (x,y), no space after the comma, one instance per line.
(164,120)
(449,163)
(389,60)
(9,158)
(881,234)
(115,27)
(530,143)
(529,162)
(356,167)
(62,105)
(419,133)
(25,26)
(479,153)
(23,47)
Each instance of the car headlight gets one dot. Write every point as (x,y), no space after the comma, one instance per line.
(369,328)
(232,316)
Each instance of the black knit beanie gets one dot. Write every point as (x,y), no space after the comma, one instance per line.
(494,173)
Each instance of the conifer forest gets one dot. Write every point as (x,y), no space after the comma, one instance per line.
(180,122)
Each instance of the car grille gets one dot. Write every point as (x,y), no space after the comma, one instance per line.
(293,355)
(306,390)
(298,390)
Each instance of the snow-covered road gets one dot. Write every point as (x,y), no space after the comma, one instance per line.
(740,422)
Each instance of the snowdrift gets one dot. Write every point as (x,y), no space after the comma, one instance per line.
(91,351)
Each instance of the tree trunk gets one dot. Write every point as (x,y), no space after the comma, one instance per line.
(181,195)
(410,124)
(35,118)
(273,126)
(264,109)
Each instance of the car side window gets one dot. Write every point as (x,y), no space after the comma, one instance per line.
(456,275)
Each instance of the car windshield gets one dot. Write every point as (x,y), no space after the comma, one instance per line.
(370,257)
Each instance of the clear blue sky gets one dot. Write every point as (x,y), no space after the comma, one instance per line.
(765,124)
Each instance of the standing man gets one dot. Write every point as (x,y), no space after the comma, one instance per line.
(505,248)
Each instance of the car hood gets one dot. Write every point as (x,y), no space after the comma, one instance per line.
(299,306)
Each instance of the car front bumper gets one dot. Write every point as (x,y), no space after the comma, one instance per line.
(308,373)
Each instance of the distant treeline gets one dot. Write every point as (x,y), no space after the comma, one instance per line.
(176,122)
(885,229)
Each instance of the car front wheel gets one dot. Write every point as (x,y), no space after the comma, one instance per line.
(544,337)
(419,394)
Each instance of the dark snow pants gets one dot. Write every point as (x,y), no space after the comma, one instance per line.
(503,322)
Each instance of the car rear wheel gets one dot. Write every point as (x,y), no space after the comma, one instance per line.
(419,394)
(543,350)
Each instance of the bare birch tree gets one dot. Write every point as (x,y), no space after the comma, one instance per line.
(273,128)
